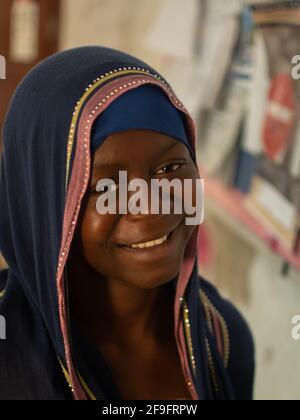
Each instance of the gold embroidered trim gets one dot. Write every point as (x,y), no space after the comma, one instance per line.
(86,388)
(2,293)
(211,366)
(208,306)
(84,384)
(188,334)
(96,83)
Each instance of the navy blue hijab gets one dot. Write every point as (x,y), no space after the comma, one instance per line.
(40,133)
(145,108)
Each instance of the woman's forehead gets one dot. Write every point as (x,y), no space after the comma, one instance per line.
(126,145)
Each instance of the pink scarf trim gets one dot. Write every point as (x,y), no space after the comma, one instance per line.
(76,191)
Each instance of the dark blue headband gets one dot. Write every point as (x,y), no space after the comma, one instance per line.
(147,108)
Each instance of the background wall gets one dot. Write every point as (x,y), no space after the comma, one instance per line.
(114,23)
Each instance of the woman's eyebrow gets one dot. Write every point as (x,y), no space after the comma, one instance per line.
(113,165)
(172,146)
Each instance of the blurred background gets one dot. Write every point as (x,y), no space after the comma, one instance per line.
(234,65)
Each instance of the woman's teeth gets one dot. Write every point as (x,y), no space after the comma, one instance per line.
(150,244)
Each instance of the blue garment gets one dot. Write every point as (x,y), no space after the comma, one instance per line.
(32,202)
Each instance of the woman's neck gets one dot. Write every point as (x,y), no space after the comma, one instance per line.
(113,311)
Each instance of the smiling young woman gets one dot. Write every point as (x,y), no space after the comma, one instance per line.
(106,306)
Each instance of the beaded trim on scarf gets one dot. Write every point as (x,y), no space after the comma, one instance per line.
(210,309)
(117,73)
(96,83)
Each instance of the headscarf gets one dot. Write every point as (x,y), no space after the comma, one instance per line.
(45,171)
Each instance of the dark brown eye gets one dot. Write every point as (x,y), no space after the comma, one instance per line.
(172,167)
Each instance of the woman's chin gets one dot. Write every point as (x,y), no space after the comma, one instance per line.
(153,281)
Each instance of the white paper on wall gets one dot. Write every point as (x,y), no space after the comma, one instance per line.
(221,23)
(276,204)
(24,32)
(230,7)
(258,98)
(223,127)
(173,31)
(197,79)
(220,39)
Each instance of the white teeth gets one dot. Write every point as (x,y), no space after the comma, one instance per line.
(150,244)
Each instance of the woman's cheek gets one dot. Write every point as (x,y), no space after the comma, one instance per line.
(95,228)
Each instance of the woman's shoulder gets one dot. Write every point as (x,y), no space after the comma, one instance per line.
(238,338)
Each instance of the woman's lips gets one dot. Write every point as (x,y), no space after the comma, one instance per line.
(157,251)
(158,239)
(150,244)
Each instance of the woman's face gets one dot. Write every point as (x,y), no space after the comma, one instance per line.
(106,240)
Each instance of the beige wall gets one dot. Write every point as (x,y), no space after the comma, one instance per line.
(120,24)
